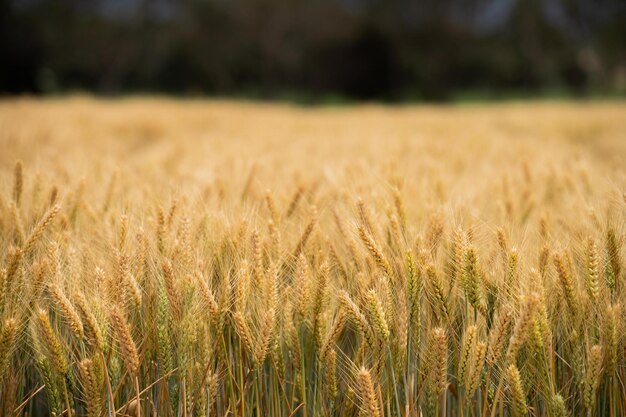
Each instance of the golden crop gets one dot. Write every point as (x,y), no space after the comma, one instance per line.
(216,258)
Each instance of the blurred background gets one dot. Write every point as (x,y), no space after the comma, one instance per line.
(315,50)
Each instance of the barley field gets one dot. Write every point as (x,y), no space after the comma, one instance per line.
(197,258)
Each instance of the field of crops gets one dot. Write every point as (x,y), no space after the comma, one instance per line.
(196,258)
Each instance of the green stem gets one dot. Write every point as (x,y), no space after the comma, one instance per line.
(393,378)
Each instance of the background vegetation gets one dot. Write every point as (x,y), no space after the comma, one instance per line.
(312,49)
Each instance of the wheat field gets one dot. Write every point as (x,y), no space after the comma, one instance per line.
(196,258)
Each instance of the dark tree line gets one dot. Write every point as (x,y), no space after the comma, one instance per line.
(384,49)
